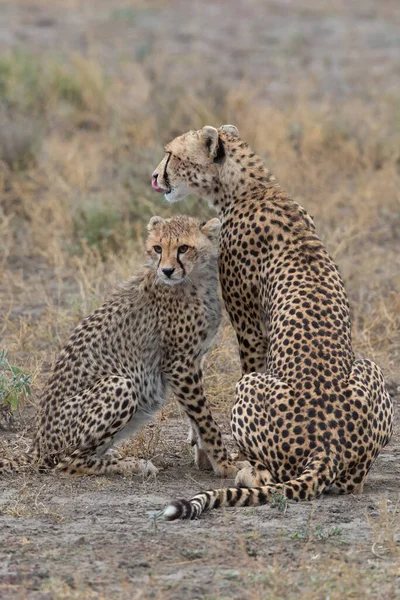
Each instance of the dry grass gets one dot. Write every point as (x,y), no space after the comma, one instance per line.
(384,528)
(73,220)
(73,217)
(30,504)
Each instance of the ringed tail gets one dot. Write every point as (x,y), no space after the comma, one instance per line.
(307,486)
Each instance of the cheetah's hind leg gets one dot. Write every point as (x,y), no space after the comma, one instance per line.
(371,424)
(370,397)
(110,407)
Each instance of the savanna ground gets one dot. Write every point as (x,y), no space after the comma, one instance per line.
(89,91)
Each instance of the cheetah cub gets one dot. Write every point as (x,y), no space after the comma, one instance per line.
(147,341)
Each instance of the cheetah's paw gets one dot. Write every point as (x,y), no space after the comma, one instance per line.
(147,468)
(228,470)
(249,476)
(131,466)
(114,453)
(246,477)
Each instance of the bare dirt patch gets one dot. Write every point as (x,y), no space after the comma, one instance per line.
(63,537)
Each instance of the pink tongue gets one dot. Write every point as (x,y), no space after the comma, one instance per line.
(156,187)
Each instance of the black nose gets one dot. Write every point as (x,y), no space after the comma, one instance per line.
(168,271)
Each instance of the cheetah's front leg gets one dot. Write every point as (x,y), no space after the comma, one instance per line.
(188,388)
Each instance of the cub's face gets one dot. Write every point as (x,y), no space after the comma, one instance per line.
(191,163)
(181,248)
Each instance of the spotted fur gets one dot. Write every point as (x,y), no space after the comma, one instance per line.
(307,415)
(147,341)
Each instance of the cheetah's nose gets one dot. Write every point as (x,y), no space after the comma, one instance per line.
(168,271)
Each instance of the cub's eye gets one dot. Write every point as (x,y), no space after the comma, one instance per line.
(183,249)
(157,249)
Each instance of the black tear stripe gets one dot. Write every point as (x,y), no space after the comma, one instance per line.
(220,155)
(166,178)
(181,265)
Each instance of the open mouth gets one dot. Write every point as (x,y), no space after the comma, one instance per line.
(156,187)
(154,184)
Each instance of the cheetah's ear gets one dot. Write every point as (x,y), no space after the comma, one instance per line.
(209,137)
(211,229)
(230,129)
(154,221)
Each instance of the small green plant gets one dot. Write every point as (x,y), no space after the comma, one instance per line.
(232,575)
(315,533)
(192,554)
(279,501)
(258,578)
(13,383)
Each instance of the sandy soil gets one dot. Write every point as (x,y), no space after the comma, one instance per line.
(95,535)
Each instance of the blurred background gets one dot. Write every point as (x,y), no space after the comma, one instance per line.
(89,93)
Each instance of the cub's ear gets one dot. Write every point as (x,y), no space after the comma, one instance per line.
(209,137)
(230,129)
(211,229)
(154,221)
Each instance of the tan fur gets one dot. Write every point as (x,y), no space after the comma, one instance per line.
(146,342)
(307,414)
(173,235)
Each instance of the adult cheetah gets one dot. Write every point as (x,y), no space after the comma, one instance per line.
(147,340)
(307,415)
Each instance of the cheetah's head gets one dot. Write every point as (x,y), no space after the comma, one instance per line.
(182,248)
(191,163)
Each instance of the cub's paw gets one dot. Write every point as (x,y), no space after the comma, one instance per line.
(114,453)
(130,466)
(147,468)
(246,477)
(250,476)
(228,470)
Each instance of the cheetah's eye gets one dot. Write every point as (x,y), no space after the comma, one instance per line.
(183,249)
(157,249)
